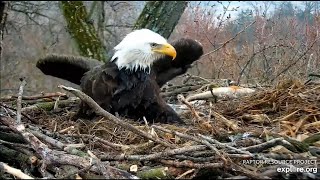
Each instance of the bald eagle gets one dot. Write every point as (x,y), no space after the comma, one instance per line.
(124,84)
(129,82)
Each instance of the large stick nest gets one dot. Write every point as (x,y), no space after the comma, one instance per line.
(272,133)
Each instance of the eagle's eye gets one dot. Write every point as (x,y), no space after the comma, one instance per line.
(153,45)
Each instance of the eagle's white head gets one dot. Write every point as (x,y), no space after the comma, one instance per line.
(140,48)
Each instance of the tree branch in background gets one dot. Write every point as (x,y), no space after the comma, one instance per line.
(297,60)
(3,18)
(82,30)
(92,8)
(229,40)
(161,16)
(101,22)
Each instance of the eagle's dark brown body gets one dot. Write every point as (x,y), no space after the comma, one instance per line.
(130,93)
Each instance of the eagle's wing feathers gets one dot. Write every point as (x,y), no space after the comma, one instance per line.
(188,51)
(100,84)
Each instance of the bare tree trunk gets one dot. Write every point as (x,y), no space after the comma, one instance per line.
(3,17)
(101,20)
(161,16)
(82,30)
(2,9)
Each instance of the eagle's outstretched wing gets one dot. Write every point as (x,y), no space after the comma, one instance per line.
(67,67)
(72,68)
(188,51)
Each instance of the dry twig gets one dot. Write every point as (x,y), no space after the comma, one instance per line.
(155,155)
(23,83)
(272,143)
(194,112)
(190,164)
(16,172)
(185,173)
(193,138)
(25,115)
(38,96)
(180,90)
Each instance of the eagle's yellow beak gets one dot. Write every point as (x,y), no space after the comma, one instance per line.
(166,49)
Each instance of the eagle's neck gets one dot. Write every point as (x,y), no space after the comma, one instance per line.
(134,60)
(138,72)
(136,67)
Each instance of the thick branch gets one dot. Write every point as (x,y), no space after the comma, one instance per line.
(16,172)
